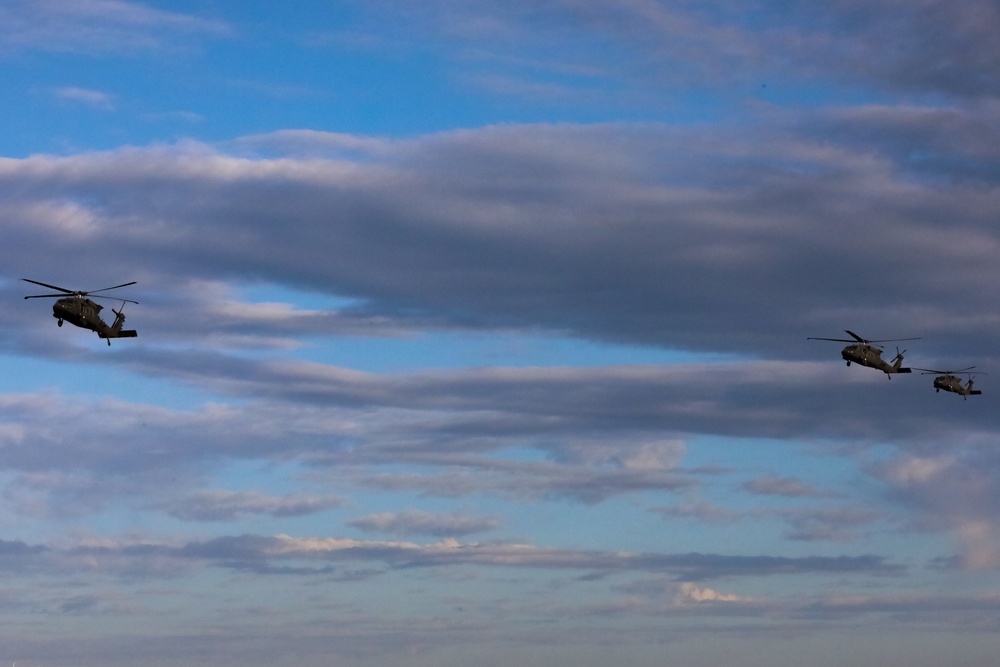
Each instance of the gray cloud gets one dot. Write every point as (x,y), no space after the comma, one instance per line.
(280,554)
(782,486)
(701,511)
(936,49)
(723,237)
(418,522)
(835,524)
(574,229)
(219,505)
(957,490)
(236,551)
(623,433)
(96,27)
(891,45)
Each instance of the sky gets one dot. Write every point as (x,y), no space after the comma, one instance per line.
(477,333)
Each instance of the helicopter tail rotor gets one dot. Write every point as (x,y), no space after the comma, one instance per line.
(115,330)
(897,364)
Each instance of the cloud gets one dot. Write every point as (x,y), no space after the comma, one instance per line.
(222,505)
(145,447)
(837,524)
(418,522)
(97,27)
(651,234)
(281,275)
(962,64)
(701,511)
(284,554)
(463,428)
(952,493)
(575,230)
(782,486)
(91,98)
(690,592)
(644,45)
(950,610)
(237,551)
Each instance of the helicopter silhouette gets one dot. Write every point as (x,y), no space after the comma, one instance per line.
(949,381)
(863,352)
(80,311)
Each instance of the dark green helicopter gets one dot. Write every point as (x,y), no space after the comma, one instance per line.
(863,352)
(949,381)
(80,311)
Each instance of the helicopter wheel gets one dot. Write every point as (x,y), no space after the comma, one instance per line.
(848,363)
(59,322)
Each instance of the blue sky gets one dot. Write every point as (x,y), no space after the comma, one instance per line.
(476,332)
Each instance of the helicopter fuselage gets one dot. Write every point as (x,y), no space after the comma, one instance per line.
(871,356)
(954,384)
(84,313)
(79,312)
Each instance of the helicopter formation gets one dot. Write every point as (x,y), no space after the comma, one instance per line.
(867,352)
(77,308)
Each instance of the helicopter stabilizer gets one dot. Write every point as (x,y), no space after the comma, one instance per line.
(124,333)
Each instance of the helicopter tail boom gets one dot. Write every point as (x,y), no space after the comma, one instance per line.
(116,331)
(897,363)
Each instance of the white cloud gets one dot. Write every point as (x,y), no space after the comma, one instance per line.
(532,204)
(716,246)
(97,26)
(980,542)
(918,470)
(91,98)
(689,592)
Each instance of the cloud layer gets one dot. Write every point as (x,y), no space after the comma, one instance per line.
(480,329)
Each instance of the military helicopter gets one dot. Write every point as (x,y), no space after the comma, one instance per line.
(80,311)
(863,352)
(949,381)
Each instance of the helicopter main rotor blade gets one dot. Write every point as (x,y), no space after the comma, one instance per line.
(65,291)
(113,298)
(110,288)
(46,296)
(877,340)
(927,371)
(55,287)
(864,341)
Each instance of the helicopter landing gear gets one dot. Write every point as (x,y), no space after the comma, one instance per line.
(59,322)
(848,363)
